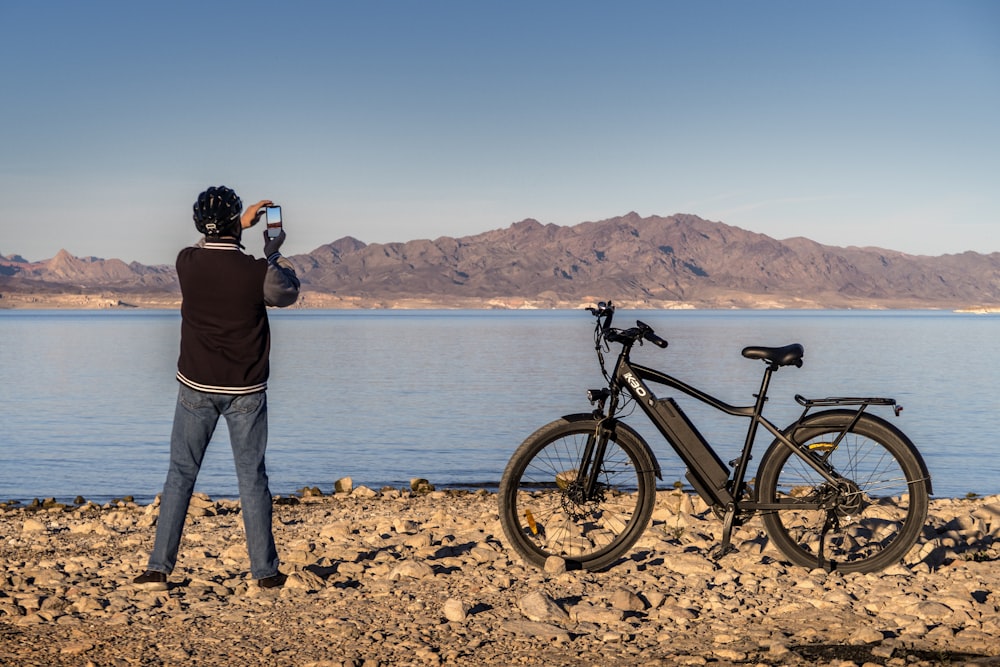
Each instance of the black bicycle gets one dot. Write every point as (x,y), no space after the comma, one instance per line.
(840,488)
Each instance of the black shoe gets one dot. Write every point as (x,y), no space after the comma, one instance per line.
(274,581)
(151,581)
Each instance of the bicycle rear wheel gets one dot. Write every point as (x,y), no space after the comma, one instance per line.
(869,519)
(542,509)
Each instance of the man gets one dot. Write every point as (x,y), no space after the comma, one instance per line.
(223,370)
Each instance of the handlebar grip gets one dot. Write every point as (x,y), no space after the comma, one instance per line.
(649,335)
(655,340)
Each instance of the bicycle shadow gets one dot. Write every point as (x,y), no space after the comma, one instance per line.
(971,537)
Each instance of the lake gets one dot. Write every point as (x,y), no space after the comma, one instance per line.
(385,396)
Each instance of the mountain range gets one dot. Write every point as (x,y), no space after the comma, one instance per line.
(679,261)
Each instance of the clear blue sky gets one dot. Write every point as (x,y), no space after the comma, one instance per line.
(848,122)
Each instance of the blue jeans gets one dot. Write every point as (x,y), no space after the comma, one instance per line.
(195,419)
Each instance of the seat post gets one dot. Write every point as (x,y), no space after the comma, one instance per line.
(742,463)
(761,396)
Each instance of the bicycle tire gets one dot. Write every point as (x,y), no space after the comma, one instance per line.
(883,494)
(538,511)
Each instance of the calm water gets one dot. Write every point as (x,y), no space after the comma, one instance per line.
(383,396)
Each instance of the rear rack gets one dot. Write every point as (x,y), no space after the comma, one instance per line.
(847,400)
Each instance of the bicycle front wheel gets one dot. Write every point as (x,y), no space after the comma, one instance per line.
(543,508)
(865,521)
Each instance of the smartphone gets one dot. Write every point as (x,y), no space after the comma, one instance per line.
(273,215)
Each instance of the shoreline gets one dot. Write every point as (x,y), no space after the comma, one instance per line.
(426,578)
(78,502)
(312,300)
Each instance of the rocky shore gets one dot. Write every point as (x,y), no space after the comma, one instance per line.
(403,577)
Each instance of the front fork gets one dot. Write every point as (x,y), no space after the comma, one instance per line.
(597,444)
(593,454)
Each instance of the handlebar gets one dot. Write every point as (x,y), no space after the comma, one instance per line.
(641,330)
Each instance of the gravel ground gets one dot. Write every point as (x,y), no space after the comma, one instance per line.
(394,577)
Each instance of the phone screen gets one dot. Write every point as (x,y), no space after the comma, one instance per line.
(273,214)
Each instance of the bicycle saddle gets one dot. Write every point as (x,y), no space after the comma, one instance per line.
(788,355)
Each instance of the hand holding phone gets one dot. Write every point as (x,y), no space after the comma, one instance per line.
(272,247)
(273,217)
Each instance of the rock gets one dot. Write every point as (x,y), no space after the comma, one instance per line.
(935,612)
(338,531)
(405,526)
(539,607)
(420,485)
(91,527)
(303,580)
(343,485)
(76,648)
(46,577)
(865,636)
(32,526)
(626,600)
(729,654)
(687,563)
(201,505)
(778,650)
(655,598)
(411,570)
(543,631)
(585,613)
(455,610)
(555,565)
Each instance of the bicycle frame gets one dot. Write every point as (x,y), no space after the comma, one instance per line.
(706,472)
(709,476)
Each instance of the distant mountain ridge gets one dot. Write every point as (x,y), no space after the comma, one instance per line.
(676,261)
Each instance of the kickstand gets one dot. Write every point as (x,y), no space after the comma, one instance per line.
(726,546)
(831,521)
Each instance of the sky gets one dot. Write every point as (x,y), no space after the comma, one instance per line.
(869,123)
